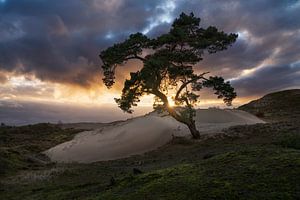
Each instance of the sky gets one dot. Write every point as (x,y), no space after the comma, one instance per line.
(49,49)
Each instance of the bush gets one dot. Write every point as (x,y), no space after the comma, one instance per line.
(291,140)
(260,114)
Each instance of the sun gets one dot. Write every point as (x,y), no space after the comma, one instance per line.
(171,102)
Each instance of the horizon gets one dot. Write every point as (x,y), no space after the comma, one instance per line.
(20,113)
(49,57)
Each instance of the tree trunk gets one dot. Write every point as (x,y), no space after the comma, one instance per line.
(190,123)
(192,127)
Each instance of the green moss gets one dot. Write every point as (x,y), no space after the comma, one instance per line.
(250,174)
(291,140)
(246,166)
(283,105)
(17,144)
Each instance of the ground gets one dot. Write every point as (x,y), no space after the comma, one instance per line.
(246,162)
(277,106)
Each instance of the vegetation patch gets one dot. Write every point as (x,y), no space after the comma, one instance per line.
(277,106)
(20,147)
(290,140)
(259,161)
(253,173)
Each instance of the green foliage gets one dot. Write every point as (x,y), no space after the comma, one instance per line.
(120,53)
(244,164)
(244,174)
(289,140)
(19,144)
(277,106)
(222,89)
(168,67)
(168,63)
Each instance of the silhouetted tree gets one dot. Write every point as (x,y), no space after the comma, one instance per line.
(167,70)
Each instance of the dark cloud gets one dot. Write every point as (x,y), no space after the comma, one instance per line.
(269,79)
(268,32)
(60,41)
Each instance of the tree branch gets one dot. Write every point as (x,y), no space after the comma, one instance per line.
(188,82)
(135,57)
(170,110)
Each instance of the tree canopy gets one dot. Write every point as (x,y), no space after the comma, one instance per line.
(168,63)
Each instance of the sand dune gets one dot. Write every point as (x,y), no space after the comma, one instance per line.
(141,134)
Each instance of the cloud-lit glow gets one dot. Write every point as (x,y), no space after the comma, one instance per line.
(246,36)
(49,51)
(29,88)
(109,36)
(17,81)
(267,62)
(166,8)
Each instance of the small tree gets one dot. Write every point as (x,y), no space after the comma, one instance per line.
(168,68)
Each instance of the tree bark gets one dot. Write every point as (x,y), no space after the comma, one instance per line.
(189,122)
(192,127)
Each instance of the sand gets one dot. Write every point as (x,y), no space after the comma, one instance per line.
(142,134)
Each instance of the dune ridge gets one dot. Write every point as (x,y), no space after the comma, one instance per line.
(142,134)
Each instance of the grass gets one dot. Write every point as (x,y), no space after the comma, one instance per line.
(277,106)
(252,173)
(247,162)
(289,140)
(20,147)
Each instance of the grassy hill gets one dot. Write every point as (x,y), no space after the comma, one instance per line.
(282,105)
(20,147)
(246,162)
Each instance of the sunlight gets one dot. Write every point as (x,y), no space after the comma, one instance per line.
(24,81)
(33,89)
(171,102)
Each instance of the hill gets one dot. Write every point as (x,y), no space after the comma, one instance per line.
(277,106)
(257,161)
(142,134)
(20,147)
(247,162)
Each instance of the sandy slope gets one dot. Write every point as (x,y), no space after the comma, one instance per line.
(141,134)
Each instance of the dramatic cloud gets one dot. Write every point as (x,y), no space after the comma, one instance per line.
(59,41)
(269,79)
